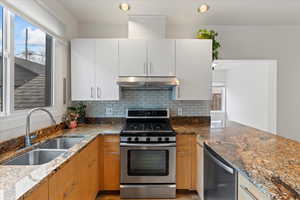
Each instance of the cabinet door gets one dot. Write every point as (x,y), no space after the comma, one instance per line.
(183,162)
(107,69)
(64,184)
(132,58)
(93,168)
(111,162)
(161,57)
(200,171)
(39,193)
(83,69)
(193,69)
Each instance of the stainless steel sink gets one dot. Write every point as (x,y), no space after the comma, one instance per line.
(35,157)
(59,143)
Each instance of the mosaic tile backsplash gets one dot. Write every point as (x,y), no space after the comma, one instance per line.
(146,99)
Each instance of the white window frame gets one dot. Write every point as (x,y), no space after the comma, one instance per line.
(9,63)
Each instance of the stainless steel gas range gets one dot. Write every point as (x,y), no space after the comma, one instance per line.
(148,155)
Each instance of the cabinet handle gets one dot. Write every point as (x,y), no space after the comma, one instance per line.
(92,92)
(98,92)
(246,190)
(145,68)
(150,68)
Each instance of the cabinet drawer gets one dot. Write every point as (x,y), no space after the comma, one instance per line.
(183,143)
(111,144)
(248,191)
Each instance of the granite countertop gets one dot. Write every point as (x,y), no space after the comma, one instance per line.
(15,181)
(270,162)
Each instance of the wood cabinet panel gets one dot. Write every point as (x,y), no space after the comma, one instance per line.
(194,163)
(101,162)
(63,185)
(39,193)
(186,162)
(111,160)
(248,191)
(200,171)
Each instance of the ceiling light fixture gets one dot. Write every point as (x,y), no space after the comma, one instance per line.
(203,8)
(124,7)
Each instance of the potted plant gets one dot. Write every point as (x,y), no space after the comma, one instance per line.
(210,34)
(80,109)
(70,119)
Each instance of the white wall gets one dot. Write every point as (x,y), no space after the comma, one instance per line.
(59,22)
(251,93)
(280,43)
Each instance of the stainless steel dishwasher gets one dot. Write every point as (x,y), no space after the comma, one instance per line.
(220,178)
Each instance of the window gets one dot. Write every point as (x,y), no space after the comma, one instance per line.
(33,66)
(1,62)
(218,99)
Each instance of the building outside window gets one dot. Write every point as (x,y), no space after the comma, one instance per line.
(33,66)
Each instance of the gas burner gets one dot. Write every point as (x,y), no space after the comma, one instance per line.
(154,124)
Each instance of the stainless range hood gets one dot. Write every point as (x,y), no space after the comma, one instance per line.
(147,82)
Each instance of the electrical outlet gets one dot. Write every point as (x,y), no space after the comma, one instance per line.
(108,111)
(179,111)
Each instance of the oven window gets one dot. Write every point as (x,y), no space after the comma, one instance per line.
(148,162)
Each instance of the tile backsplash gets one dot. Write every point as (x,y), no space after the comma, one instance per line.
(146,99)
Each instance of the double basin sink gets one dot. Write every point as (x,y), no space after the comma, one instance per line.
(47,151)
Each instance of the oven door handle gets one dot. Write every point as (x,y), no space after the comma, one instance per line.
(147,145)
(220,163)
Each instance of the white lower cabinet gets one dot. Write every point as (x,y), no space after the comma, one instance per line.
(200,177)
(94,69)
(193,69)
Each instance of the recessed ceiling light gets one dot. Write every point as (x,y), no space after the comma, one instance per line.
(203,8)
(124,7)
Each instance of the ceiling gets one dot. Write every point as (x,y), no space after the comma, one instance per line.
(222,12)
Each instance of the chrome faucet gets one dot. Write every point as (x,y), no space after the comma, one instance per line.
(27,136)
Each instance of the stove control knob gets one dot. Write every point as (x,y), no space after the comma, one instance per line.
(136,139)
(148,139)
(129,139)
(166,139)
(159,139)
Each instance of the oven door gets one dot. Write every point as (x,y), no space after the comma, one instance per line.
(148,163)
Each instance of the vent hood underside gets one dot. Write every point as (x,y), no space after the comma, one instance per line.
(148,82)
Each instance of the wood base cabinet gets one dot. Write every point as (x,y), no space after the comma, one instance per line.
(40,193)
(77,179)
(186,162)
(200,184)
(111,160)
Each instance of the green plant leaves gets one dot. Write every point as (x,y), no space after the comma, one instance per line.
(210,34)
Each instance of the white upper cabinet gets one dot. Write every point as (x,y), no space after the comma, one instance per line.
(132,57)
(161,57)
(107,69)
(83,69)
(193,69)
(94,69)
